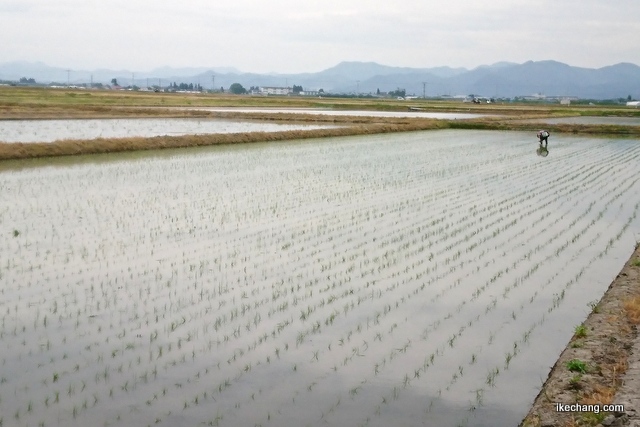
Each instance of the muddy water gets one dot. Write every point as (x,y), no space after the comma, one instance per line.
(420,278)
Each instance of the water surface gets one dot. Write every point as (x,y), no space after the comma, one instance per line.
(423,278)
(361,113)
(590,120)
(52,130)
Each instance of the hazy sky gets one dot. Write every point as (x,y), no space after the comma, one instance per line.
(289,36)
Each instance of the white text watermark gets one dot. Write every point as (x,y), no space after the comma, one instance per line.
(596,409)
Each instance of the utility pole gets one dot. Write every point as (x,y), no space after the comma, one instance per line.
(424,90)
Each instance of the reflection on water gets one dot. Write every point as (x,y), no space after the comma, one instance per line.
(542,151)
(52,130)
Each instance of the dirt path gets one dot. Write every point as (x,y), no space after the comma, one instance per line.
(601,364)
(629,393)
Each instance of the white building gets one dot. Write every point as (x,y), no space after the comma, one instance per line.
(274,90)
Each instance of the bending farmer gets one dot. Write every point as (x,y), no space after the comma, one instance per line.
(543,135)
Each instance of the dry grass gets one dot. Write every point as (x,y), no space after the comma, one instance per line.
(601,395)
(532,421)
(572,422)
(618,369)
(632,308)
(535,421)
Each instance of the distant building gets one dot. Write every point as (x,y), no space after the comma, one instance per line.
(274,90)
(535,97)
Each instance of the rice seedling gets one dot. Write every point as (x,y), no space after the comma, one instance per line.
(338,269)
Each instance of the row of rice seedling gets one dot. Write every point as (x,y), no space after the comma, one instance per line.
(346,281)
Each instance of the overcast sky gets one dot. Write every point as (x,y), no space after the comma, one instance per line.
(290,36)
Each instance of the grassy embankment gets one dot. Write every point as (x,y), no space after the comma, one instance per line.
(39,103)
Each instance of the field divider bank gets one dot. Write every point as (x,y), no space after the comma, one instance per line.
(347,126)
(113,145)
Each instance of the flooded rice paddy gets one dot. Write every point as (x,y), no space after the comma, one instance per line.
(52,130)
(427,278)
(359,113)
(590,120)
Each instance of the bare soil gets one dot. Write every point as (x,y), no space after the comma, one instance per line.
(609,347)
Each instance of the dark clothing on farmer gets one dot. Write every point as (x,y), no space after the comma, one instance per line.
(543,135)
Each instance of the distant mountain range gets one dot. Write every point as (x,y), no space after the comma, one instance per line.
(503,79)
